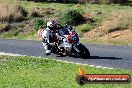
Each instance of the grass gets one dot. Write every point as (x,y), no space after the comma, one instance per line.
(10,11)
(31,72)
(95,14)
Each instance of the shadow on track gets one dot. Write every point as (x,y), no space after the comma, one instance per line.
(98,57)
(93,57)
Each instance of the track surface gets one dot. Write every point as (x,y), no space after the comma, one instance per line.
(101,55)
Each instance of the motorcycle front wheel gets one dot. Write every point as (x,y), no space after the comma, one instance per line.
(84,52)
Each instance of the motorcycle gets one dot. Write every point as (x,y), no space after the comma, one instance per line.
(68,44)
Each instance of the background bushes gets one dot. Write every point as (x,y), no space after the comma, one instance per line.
(71,17)
(37,23)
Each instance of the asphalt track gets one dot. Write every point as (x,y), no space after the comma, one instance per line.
(101,55)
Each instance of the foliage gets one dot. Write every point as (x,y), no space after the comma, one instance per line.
(84,28)
(72,17)
(37,23)
(3,27)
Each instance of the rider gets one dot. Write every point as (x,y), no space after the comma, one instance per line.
(48,35)
(52,32)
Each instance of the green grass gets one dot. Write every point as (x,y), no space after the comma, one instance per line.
(31,72)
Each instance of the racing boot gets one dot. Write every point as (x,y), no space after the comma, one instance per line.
(47,49)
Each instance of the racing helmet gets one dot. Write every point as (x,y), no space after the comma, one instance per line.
(52,24)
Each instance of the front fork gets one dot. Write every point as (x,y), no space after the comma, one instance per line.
(75,47)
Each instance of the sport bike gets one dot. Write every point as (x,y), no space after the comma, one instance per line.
(68,43)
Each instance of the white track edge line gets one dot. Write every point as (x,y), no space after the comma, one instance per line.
(77,63)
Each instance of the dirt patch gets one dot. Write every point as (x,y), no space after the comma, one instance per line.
(118,37)
(40,12)
(26,27)
(114,28)
(124,35)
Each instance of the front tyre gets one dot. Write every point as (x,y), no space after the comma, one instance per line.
(84,52)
